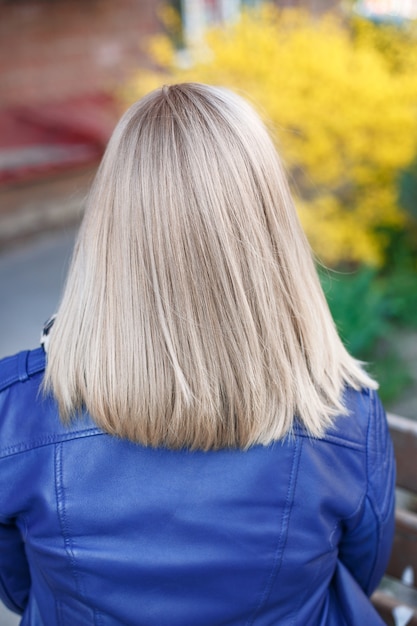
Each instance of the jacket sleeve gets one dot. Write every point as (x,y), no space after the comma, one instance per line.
(367,541)
(14,569)
(15,579)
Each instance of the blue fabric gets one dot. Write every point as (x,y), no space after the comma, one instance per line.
(99,531)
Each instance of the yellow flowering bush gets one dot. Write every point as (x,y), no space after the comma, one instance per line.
(341,101)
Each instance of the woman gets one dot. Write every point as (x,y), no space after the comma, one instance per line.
(197,447)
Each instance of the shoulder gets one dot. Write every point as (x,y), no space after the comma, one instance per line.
(354,426)
(363,424)
(20,367)
(366,419)
(29,418)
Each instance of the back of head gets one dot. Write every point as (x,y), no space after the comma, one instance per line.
(192,315)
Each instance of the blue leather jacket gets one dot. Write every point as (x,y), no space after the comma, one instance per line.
(95,530)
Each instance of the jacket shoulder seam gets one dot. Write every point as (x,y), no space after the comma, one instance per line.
(20,367)
(336,440)
(47,441)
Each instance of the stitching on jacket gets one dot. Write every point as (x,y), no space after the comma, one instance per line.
(360,506)
(371,416)
(60,501)
(22,369)
(379,520)
(283,535)
(48,440)
(36,361)
(344,442)
(368,430)
(25,364)
(381,509)
(361,503)
(7,382)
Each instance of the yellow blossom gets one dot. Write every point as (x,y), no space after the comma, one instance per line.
(342,105)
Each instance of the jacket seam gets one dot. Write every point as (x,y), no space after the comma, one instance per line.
(5,384)
(385,509)
(283,535)
(22,368)
(382,512)
(374,560)
(380,518)
(357,509)
(47,441)
(335,440)
(60,501)
(25,364)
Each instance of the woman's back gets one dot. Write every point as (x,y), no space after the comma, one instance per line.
(294,533)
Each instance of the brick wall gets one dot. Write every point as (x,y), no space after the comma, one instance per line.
(55,49)
(315,7)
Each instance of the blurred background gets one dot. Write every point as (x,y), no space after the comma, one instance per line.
(336,82)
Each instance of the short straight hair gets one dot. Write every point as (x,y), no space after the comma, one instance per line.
(193,316)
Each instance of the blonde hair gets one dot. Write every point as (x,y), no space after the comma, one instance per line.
(193,315)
